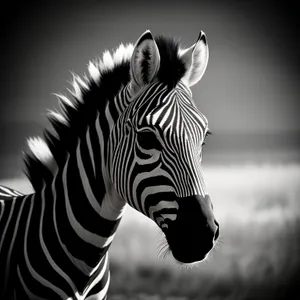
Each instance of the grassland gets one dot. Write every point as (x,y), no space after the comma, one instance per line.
(258,256)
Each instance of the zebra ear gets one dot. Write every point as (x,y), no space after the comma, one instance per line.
(145,60)
(195,59)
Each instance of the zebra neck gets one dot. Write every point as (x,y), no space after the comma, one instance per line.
(87,211)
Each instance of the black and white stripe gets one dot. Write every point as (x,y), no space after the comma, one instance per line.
(8,193)
(54,242)
(45,239)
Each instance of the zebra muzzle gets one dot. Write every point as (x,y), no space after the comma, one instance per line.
(194,232)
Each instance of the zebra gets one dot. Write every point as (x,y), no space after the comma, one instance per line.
(128,133)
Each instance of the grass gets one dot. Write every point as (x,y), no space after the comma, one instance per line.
(258,256)
(253,262)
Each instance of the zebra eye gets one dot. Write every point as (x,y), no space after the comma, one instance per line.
(148,140)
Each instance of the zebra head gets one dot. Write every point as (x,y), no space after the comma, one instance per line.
(156,145)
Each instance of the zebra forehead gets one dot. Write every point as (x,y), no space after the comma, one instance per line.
(172,111)
(162,117)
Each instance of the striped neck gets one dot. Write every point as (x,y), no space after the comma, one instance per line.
(85,210)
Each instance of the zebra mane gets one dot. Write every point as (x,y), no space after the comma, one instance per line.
(89,95)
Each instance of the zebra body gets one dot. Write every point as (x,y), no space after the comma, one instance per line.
(142,146)
(34,252)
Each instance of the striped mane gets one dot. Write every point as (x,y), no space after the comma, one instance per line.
(90,95)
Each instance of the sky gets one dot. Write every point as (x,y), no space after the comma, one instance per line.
(251,82)
(250,85)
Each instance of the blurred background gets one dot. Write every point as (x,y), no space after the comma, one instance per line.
(251,163)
